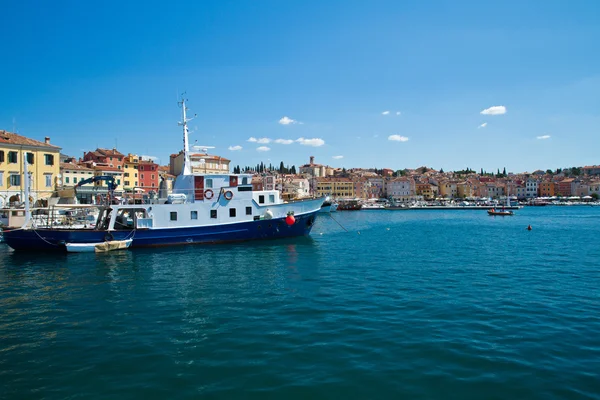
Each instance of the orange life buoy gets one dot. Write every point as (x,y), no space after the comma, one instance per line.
(208,194)
(228,195)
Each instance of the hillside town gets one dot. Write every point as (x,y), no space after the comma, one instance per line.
(140,177)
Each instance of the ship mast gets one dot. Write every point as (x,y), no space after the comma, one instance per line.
(187,165)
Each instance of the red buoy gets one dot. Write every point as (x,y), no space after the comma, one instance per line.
(290,220)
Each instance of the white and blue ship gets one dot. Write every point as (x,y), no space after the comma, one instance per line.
(203,208)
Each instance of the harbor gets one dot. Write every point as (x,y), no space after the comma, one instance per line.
(444,292)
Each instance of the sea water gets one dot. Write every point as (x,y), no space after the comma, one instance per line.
(374,304)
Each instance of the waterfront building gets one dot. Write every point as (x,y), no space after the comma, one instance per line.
(295,187)
(130,172)
(563,188)
(531,188)
(465,189)
(400,188)
(376,187)
(201,163)
(108,157)
(336,187)
(149,176)
(72,173)
(43,167)
(448,189)
(547,189)
(427,190)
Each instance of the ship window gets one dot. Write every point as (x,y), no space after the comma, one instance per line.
(193,214)
(173,215)
(245,180)
(213,213)
(209,183)
(261,199)
(248,210)
(232,212)
(271,198)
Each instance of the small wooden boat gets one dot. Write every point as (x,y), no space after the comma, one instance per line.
(500,212)
(98,247)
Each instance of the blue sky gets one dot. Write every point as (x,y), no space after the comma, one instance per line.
(99,74)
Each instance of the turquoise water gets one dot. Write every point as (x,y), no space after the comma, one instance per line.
(406,304)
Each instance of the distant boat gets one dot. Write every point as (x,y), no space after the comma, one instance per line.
(349,205)
(493,211)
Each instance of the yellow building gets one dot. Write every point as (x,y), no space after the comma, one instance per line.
(448,189)
(43,166)
(130,172)
(336,187)
(465,189)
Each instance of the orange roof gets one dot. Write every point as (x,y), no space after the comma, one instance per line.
(13,138)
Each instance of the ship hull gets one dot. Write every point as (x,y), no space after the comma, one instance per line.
(56,239)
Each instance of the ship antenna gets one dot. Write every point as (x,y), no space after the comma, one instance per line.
(187,167)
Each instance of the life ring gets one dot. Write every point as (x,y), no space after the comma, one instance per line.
(228,195)
(108,237)
(208,194)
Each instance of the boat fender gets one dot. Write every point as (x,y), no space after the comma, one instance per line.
(108,237)
(268,214)
(228,195)
(208,194)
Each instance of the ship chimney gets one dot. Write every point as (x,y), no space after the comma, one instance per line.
(47,140)
(312,160)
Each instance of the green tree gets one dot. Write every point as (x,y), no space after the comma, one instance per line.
(595,196)
(441,170)
(549,171)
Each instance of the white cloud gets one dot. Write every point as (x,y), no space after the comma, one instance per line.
(263,148)
(385,113)
(260,140)
(284,141)
(235,148)
(287,121)
(148,158)
(316,142)
(543,137)
(398,113)
(482,125)
(337,157)
(398,138)
(495,110)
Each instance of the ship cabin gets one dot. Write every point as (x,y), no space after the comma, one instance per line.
(198,200)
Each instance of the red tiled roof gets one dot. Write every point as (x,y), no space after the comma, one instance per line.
(13,138)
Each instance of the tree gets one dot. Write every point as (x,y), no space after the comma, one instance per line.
(595,196)
(441,170)
(281,167)
(549,171)
(293,171)
(504,171)
(481,173)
